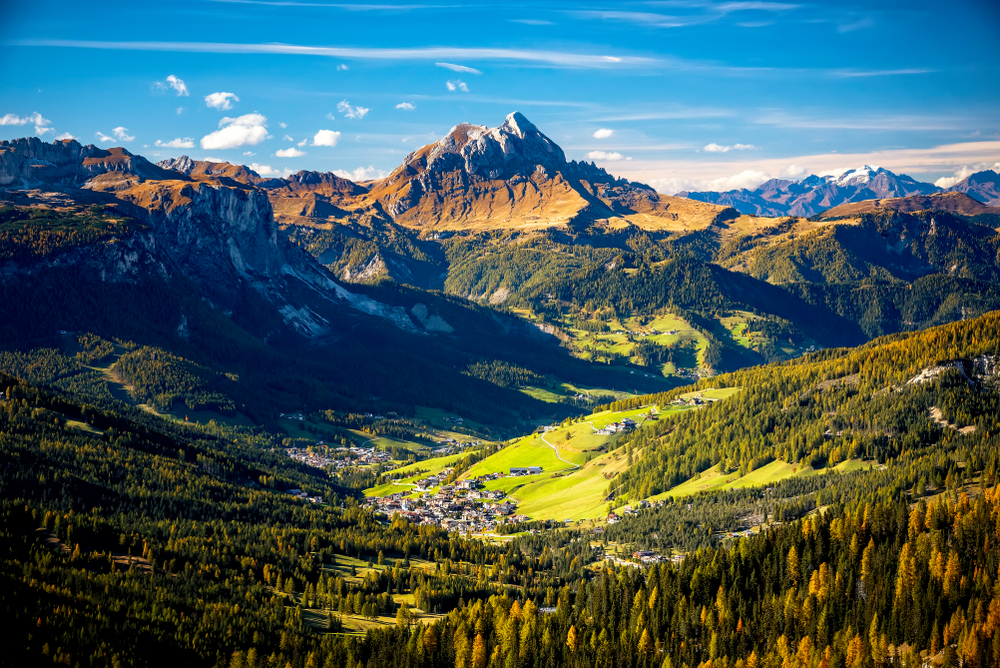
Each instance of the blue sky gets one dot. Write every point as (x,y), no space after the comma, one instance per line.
(681,94)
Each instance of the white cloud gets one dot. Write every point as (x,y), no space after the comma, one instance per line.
(291,152)
(211,159)
(715,148)
(458,68)
(186,142)
(794,172)
(348,111)
(246,130)
(103,138)
(405,106)
(41,124)
(553,58)
(326,138)
(180,110)
(964,172)
(266,170)
(288,138)
(303,142)
(603,155)
(121,134)
(172,82)
(65,135)
(342,67)
(361,174)
(456,84)
(603,133)
(749,179)
(283,125)
(249,153)
(221,101)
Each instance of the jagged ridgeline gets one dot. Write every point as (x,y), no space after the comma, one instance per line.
(500,216)
(896,399)
(193,264)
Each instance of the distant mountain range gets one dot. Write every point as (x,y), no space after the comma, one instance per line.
(485,249)
(815,194)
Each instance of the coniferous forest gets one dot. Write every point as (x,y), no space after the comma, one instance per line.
(131,541)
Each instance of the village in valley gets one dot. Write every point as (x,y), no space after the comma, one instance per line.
(554,476)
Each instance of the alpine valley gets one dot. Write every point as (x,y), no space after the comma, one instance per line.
(495,409)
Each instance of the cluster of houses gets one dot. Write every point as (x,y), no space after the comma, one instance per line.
(626,425)
(331,459)
(461,507)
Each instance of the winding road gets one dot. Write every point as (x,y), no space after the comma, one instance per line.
(556,450)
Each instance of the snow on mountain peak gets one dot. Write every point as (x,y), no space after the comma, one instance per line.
(856,175)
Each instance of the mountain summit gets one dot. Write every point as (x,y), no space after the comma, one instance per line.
(509,177)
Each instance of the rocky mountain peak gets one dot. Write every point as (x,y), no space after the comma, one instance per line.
(183,164)
(28,161)
(516,146)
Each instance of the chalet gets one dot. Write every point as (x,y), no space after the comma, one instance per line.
(468,484)
(613,518)
(640,554)
(525,470)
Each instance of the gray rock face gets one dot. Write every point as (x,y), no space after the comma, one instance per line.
(30,161)
(218,233)
(515,147)
(183,164)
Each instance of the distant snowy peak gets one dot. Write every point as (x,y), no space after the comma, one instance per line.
(814,194)
(857,176)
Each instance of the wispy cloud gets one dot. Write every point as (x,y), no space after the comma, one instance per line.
(186,142)
(348,111)
(41,123)
(858,24)
(342,67)
(121,134)
(604,156)
(868,122)
(847,74)
(553,58)
(716,148)
(458,68)
(671,113)
(457,85)
(339,5)
(361,174)
(532,22)
(172,82)
(266,170)
(405,106)
(704,12)
(289,153)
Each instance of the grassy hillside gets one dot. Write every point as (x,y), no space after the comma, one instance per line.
(825,409)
